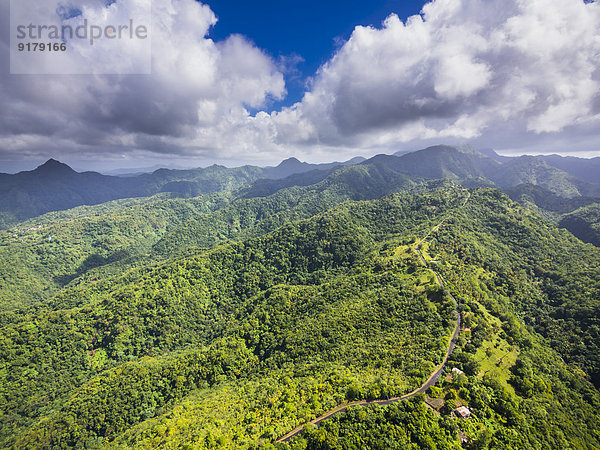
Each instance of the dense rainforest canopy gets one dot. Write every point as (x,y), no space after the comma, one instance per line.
(226,320)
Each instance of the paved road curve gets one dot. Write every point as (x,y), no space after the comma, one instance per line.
(431,381)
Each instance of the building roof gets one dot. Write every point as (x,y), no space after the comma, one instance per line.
(463,411)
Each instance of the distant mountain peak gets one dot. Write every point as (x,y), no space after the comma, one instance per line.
(290,162)
(52,162)
(54,166)
(432,149)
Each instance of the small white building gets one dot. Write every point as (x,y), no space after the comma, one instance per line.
(457,371)
(463,412)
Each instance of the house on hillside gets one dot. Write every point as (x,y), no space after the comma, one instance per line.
(463,412)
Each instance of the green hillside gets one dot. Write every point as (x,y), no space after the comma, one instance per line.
(584,223)
(537,198)
(40,256)
(45,254)
(54,186)
(320,299)
(532,170)
(252,214)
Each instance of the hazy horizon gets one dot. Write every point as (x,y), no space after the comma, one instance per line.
(132,166)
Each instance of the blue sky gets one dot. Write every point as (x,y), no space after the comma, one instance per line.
(311,29)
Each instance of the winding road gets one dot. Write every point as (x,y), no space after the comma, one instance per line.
(431,381)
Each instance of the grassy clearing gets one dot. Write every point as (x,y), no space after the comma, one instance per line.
(403,252)
(496,356)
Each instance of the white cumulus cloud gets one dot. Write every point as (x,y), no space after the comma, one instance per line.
(494,70)
(196,86)
(510,74)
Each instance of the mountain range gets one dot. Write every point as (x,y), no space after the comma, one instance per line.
(55,186)
(225,308)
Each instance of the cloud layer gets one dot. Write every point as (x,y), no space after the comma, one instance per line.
(509,74)
(196,85)
(468,69)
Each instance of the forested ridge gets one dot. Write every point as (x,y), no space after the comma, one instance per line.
(584,223)
(55,186)
(91,243)
(40,256)
(228,319)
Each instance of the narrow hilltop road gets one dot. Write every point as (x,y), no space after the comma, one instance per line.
(431,381)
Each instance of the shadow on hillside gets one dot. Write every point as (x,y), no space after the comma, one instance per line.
(92,262)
